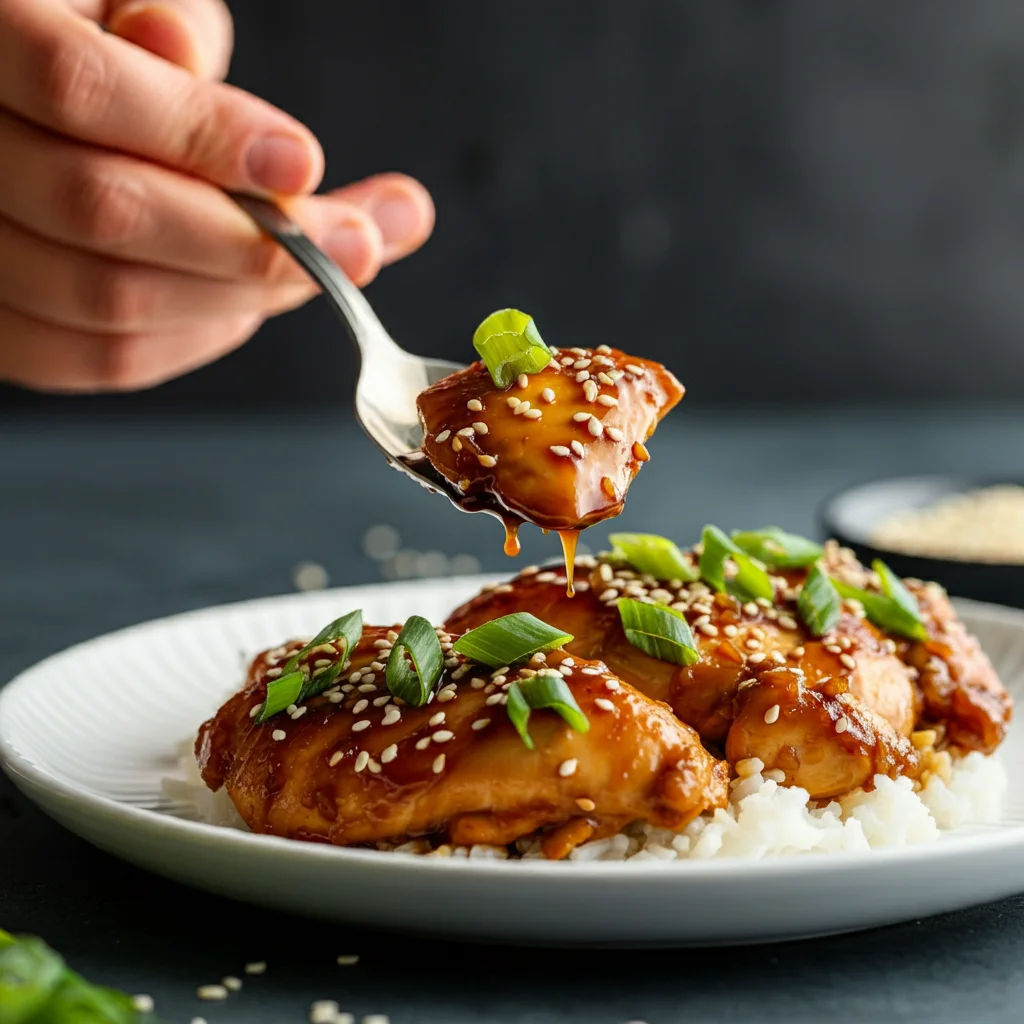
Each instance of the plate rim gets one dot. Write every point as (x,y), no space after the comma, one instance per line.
(28,776)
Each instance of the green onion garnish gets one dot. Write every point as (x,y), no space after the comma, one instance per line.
(776,548)
(293,686)
(751,580)
(819,603)
(510,344)
(510,639)
(547,689)
(282,692)
(894,610)
(414,683)
(659,631)
(653,555)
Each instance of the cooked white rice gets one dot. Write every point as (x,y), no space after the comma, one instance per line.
(763,819)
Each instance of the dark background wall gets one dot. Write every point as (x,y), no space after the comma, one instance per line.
(800,200)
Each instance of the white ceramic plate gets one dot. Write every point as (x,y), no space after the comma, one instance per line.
(89,733)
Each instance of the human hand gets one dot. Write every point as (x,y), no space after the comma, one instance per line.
(122,263)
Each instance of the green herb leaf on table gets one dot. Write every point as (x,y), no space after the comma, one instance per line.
(652,555)
(510,639)
(776,548)
(29,975)
(751,580)
(417,643)
(887,612)
(509,344)
(659,631)
(547,689)
(819,603)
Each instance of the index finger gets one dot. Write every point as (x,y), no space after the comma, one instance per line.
(60,71)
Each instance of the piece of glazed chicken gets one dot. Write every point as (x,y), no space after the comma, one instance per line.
(355,765)
(828,712)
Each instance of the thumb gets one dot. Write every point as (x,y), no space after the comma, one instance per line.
(194,34)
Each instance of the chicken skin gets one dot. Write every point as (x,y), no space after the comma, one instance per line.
(355,765)
(559,448)
(848,704)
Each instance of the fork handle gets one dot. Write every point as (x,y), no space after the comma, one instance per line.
(361,323)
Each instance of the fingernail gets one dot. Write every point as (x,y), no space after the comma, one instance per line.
(398,218)
(279,163)
(348,246)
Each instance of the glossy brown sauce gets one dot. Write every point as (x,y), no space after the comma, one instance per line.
(569,539)
(557,449)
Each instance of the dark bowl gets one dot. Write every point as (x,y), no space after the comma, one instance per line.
(850,516)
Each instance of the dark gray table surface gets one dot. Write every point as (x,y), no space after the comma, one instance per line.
(105,524)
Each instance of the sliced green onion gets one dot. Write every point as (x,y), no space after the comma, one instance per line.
(776,548)
(819,603)
(893,587)
(6,939)
(78,1000)
(751,580)
(887,612)
(414,683)
(653,555)
(510,344)
(510,639)
(282,692)
(293,686)
(30,973)
(348,628)
(659,631)
(544,690)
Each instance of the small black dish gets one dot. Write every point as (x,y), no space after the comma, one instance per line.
(850,516)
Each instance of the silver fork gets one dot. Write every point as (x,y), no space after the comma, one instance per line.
(389,377)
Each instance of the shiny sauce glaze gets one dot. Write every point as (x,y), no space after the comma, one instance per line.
(743,644)
(355,766)
(559,448)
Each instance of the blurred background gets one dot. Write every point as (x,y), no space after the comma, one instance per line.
(787,201)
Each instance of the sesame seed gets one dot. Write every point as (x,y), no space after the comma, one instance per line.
(589,390)
(608,400)
(560,449)
(750,608)
(539,658)
(771,716)
(291,709)
(366,686)
(480,428)
(362,760)
(604,704)
(443,436)
(633,368)
(614,433)
(373,766)
(762,602)
(595,427)
(605,379)
(523,381)
(474,405)
(212,993)
(385,643)
(347,960)
(756,659)
(502,670)
(708,629)
(749,766)
(443,736)
(423,743)
(581,364)
(456,444)
(379,702)
(336,698)
(278,735)
(143,1003)
(788,622)
(833,649)
(232,984)
(256,967)
(640,453)
(608,594)
(438,766)
(581,417)
(578,448)
(446,695)
(436,719)
(375,1018)
(604,350)
(775,775)
(324,1011)
(392,715)
(582,376)
(842,724)
(487,461)
(273,673)
(363,723)
(335,758)
(730,630)
(495,698)
(198,1020)
(513,401)
(254,710)
(477,683)
(849,661)
(533,414)
(567,768)
(360,705)
(467,432)
(585,804)
(800,651)
(613,685)
(616,374)
(608,486)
